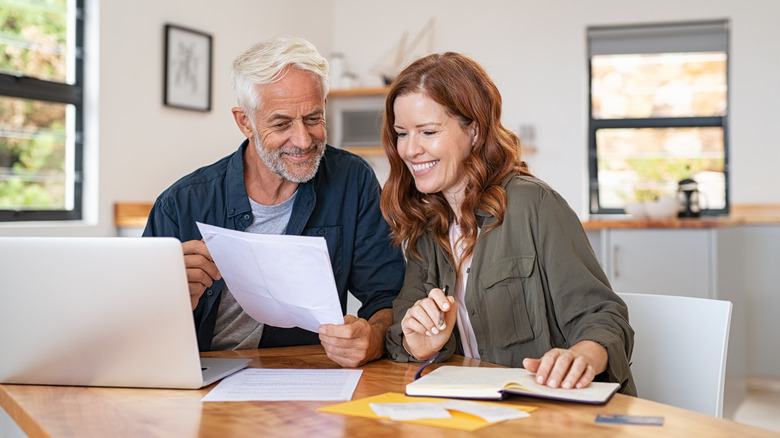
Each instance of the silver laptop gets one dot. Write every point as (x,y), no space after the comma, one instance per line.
(100,311)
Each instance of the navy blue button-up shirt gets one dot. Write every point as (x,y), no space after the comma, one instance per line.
(341,204)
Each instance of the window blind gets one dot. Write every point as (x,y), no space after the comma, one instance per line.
(705,36)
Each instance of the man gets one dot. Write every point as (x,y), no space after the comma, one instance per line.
(284,179)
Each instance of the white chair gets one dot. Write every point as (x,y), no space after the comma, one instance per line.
(680,347)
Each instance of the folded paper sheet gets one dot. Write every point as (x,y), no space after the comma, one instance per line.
(283,281)
(458,420)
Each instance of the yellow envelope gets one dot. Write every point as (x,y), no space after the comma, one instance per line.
(459,420)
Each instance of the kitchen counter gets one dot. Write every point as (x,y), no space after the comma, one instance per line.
(743,214)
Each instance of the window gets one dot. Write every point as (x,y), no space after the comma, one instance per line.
(41,77)
(658,113)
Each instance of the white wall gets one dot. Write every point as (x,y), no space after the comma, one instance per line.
(534,50)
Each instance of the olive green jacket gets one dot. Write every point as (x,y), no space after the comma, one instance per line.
(534,284)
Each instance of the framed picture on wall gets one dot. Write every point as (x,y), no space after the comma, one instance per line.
(187,77)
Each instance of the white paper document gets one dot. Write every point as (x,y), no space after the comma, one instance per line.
(410,411)
(280,280)
(286,385)
(423,410)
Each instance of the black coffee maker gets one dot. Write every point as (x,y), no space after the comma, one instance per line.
(688,195)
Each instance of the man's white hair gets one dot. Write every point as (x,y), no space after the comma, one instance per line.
(268,61)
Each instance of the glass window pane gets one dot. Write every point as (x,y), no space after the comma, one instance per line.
(645,163)
(658,85)
(35,151)
(34,39)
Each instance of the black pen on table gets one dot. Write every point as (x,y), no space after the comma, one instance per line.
(441,314)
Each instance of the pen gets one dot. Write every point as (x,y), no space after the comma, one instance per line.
(441,314)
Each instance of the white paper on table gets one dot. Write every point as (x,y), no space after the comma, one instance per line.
(423,410)
(410,411)
(280,280)
(263,384)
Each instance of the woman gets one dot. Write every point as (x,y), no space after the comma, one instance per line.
(526,289)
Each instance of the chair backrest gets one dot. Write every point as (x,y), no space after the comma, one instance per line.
(680,347)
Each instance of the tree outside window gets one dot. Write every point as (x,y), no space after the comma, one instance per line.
(40,109)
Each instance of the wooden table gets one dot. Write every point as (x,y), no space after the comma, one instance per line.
(43,411)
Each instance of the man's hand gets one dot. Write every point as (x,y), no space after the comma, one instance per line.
(357,341)
(201,270)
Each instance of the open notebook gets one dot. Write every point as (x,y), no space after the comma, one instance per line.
(497,383)
(100,311)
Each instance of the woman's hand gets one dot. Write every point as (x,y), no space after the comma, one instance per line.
(572,368)
(428,324)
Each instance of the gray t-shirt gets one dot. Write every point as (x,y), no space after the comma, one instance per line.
(235,330)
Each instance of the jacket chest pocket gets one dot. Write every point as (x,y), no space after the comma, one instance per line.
(332,235)
(503,291)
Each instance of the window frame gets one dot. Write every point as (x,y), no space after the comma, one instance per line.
(657,122)
(26,87)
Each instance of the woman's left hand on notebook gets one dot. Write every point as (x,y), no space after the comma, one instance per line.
(569,368)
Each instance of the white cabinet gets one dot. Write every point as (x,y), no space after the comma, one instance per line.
(702,263)
(762,285)
(673,262)
(694,262)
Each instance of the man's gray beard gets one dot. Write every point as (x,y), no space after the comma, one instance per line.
(276,164)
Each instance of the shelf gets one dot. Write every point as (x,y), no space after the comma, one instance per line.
(131,214)
(366,151)
(527,150)
(346,92)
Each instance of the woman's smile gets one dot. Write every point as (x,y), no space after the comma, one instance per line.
(421,168)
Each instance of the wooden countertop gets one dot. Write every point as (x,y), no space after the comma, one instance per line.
(631,223)
(742,214)
(134,214)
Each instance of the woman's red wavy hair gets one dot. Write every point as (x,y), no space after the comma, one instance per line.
(465,90)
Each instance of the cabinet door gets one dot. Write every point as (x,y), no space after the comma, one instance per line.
(674,262)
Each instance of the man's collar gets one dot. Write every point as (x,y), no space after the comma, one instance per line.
(237,198)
